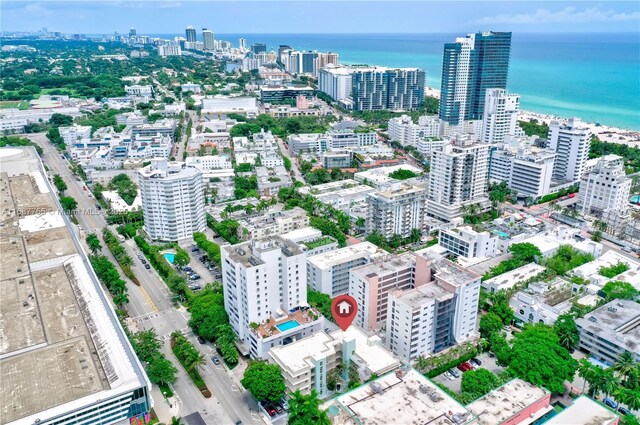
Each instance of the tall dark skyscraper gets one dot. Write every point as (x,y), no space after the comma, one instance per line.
(190,34)
(258,48)
(470,66)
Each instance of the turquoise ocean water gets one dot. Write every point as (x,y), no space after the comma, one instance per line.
(592,76)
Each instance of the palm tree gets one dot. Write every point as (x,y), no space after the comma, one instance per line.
(625,364)
(629,397)
(586,371)
(176,421)
(194,360)
(600,225)
(422,363)
(120,299)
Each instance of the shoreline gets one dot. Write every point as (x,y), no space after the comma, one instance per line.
(605,133)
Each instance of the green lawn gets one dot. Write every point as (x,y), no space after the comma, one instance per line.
(9,104)
(24,105)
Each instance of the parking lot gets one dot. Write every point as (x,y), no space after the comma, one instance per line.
(488,363)
(201,266)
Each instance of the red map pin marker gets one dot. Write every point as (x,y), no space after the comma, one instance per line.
(344,308)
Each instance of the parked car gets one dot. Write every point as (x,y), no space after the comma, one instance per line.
(454,372)
(284,404)
(624,411)
(98,207)
(465,367)
(195,249)
(449,376)
(147,266)
(475,362)
(143,261)
(271,411)
(215,360)
(201,340)
(627,249)
(187,269)
(610,402)
(195,277)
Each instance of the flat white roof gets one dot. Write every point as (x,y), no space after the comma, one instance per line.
(394,399)
(510,399)
(607,259)
(369,350)
(302,234)
(583,411)
(509,279)
(330,259)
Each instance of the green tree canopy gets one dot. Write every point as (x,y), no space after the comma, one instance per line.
(264,381)
(305,410)
(68,204)
(619,290)
(538,357)
(490,324)
(478,382)
(565,328)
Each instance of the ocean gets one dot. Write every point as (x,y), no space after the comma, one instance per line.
(593,76)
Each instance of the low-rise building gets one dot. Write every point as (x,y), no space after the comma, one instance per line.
(584,410)
(307,363)
(591,271)
(542,302)
(516,402)
(278,94)
(404,131)
(329,272)
(209,162)
(610,330)
(465,242)
(273,223)
(332,140)
(194,88)
(139,91)
(336,159)
(226,105)
(551,239)
(345,195)
(271,180)
(381,177)
(403,397)
(312,241)
(72,134)
(131,118)
(509,279)
(165,127)
(13,125)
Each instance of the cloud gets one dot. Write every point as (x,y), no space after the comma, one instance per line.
(567,15)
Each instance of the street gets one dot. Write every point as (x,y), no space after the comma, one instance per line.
(151,307)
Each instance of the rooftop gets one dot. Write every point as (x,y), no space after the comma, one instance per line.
(398,398)
(508,400)
(584,411)
(617,321)
(448,271)
(248,253)
(509,279)
(270,327)
(339,256)
(60,340)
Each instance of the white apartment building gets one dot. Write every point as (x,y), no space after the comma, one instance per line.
(332,140)
(427,146)
(311,240)
(459,176)
(273,223)
(169,50)
(263,281)
(526,169)
(209,162)
(335,81)
(606,187)
(370,285)
(13,125)
(131,118)
(571,141)
(397,210)
(500,115)
(307,363)
(542,302)
(329,272)
(465,242)
(439,312)
(172,200)
(403,130)
(139,91)
(72,134)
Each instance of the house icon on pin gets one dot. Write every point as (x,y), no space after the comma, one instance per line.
(344,308)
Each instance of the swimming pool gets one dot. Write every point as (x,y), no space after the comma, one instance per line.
(289,324)
(169,256)
(635,199)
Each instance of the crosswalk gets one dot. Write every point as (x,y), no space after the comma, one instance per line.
(185,331)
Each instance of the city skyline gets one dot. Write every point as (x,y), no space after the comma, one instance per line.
(156,17)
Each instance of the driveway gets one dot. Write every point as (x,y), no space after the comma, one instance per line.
(488,363)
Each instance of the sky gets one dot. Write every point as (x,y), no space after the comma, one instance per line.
(321,16)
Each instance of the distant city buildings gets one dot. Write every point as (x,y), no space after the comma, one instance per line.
(190,34)
(169,50)
(365,88)
(208,39)
(172,200)
(606,187)
(470,66)
(571,142)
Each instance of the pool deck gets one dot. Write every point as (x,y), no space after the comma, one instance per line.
(269,327)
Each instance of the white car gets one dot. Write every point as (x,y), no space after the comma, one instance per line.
(449,376)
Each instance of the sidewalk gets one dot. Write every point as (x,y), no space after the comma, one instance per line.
(164,408)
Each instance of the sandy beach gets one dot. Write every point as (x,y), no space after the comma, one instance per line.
(604,132)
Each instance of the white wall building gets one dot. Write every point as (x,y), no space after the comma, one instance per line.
(465,242)
(139,91)
(172,200)
(209,162)
(542,302)
(500,115)
(169,50)
(72,134)
(263,280)
(606,187)
(439,312)
(403,130)
(329,272)
(396,210)
(335,81)
(571,141)
(459,176)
